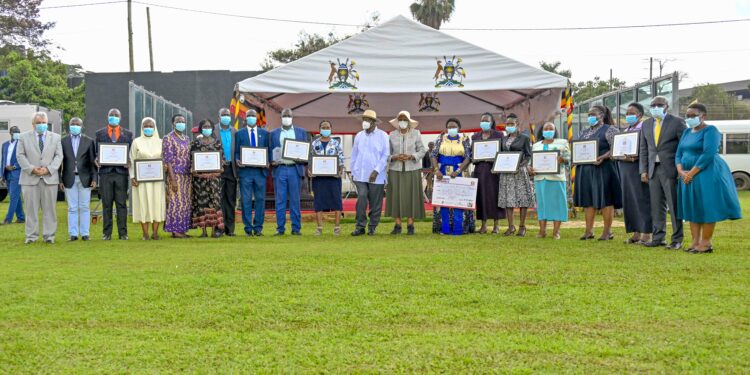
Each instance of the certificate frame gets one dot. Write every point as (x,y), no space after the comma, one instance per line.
(497,170)
(315,163)
(615,149)
(159,163)
(216,167)
(113,163)
(298,157)
(536,154)
(575,159)
(261,150)
(487,158)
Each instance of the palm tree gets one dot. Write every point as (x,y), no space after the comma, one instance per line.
(433,12)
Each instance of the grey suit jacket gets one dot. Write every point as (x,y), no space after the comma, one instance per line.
(217,133)
(669,138)
(29,157)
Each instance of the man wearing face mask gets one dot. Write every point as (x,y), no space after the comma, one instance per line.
(287,175)
(660,136)
(40,155)
(252,179)
(78,175)
(11,175)
(368,164)
(228,137)
(113,180)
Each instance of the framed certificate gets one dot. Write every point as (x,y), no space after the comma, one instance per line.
(324,166)
(206,161)
(150,170)
(545,162)
(113,154)
(295,150)
(585,152)
(626,144)
(506,162)
(485,150)
(254,157)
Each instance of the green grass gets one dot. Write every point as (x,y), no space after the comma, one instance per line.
(421,304)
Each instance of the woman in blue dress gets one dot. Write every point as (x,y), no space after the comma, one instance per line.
(705,192)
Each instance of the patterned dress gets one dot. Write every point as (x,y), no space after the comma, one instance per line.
(446,167)
(177,156)
(517,189)
(206,195)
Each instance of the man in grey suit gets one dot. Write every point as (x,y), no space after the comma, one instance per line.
(40,155)
(228,137)
(660,136)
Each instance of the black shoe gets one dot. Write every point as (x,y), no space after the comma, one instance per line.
(707,251)
(358,232)
(410,230)
(229,234)
(396,229)
(73,238)
(106,238)
(49,241)
(20,221)
(124,238)
(675,246)
(28,242)
(85,238)
(258,234)
(249,234)
(371,232)
(655,244)
(296,234)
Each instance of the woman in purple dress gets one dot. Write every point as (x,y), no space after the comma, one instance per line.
(177,160)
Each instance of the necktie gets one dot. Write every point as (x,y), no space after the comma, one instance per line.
(252,138)
(41,143)
(112,135)
(657,131)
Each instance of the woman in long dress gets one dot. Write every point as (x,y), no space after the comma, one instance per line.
(636,202)
(516,189)
(149,204)
(488,185)
(404,198)
(550,189)
(206,194)
(176,151)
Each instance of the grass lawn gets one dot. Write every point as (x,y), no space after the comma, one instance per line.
(385,304)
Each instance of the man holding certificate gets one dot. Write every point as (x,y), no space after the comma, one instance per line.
(288,172)
(252,175)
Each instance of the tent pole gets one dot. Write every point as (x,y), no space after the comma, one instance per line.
(482,100)
(310,101)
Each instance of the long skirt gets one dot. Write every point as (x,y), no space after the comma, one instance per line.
(597,186)
(149,204)
(552,200)
(206,201)
(404,196)
(179,206)
(636,203)
(487,193)
(516,190)
(326,194)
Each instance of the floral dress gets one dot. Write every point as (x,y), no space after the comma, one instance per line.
(207,191)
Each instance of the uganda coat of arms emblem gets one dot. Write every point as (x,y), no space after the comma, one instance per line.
(341,74)
(449,72)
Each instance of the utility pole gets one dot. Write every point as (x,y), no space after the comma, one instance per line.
(150,48)
(650,68)
(610,79)
(130,34)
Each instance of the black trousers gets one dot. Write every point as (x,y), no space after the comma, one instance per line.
(228,198)
(113,187)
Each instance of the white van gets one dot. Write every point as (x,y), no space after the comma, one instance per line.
(735,149)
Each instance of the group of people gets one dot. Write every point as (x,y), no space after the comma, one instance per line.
(676,169)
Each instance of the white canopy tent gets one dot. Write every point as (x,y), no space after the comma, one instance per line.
(404,65)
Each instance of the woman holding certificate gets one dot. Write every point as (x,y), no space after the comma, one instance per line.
(488,186)
(450,158)
(597,185)
(516,189)
(327,189)
(176,151)
(404,198)
(636,201)
(206,195)
(148,197)
(549,180)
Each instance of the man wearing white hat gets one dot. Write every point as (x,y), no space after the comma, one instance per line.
(368,164)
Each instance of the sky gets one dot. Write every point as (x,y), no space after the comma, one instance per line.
(96,36)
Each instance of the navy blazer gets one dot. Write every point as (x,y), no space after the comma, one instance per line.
(102,136)
(299,135)
(13,161)
(243,140)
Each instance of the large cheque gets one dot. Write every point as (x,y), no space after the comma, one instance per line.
(459,192)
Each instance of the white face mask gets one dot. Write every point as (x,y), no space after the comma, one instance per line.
(286,121)
(403,124)
(365,125)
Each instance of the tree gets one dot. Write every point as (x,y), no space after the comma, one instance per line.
(553,68)
(20,25)
(585,90)
(433,13)
(720,104)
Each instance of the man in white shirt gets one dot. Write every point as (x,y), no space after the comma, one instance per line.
(368,164)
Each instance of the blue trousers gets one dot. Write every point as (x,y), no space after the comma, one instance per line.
(79,209)
(14,191)
(458,221)
(286,183)
(253,198)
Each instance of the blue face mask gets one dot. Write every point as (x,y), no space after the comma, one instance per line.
(693,122)
(485,125)
(114,120)
(593,120)
(75,129)
(148,132)
(510,129)
(225,120)
(207,132)
(16,136)
(631,119)
(180,127)
(325,132)
(252,121)
(453,132)
(41,128)
(657,112)
(548,134)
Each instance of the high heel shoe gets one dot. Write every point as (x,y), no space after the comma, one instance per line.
(521,231)
(511,231)
(587,237)
(707,251)
(482,230)
(606,237)
(495,230)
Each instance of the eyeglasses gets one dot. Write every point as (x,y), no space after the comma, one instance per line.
(660,105)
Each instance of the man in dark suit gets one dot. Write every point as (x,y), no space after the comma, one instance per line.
(228,138)
(113,180)
(252,179)
(287,175)
(78,176)
(660,136)
(11,175)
